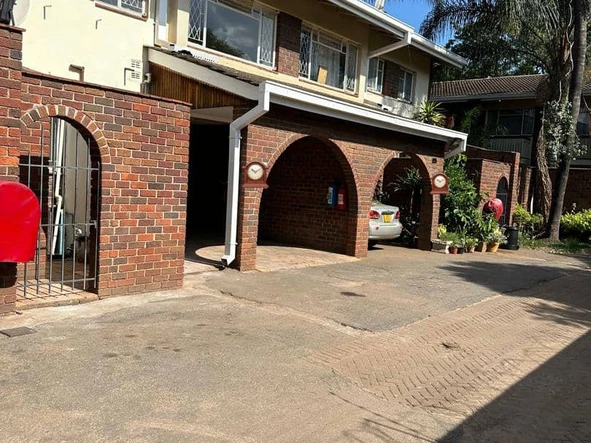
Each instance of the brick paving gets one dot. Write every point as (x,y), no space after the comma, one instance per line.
(459,362)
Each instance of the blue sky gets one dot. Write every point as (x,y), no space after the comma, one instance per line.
(409,11)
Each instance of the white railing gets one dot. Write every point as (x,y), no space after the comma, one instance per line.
(521,145)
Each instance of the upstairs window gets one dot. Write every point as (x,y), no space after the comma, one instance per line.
(375,76)
(405,86)
(133,6)
(328,59)
(512,121)
(243,29)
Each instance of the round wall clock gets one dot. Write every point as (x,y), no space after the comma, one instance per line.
(255,175)
(440,184)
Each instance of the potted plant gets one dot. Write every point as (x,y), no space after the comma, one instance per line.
(454,240)
(470,244)
(461,244)
(495,239)
(442,243)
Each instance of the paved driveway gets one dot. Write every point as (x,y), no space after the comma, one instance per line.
(395,286)
(285,357)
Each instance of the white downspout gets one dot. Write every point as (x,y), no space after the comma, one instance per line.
(234,171)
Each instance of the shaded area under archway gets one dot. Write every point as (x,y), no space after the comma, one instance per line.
(295,209)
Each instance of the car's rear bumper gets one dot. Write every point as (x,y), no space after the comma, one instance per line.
(384,231)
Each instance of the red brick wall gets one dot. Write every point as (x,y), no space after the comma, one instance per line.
(366,151)
(142,143)
(289,29)
(578,188)
(392,74)
(10,92)
(294,208)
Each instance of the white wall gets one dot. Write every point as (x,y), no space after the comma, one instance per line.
(60,33)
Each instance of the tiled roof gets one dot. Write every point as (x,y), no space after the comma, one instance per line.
(510,86)
(516,86)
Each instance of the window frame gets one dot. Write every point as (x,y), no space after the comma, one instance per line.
(379,80)
(400,94)
(311,29)
(263,11)
(120,8)
(516,111)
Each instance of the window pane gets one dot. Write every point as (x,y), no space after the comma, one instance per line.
(196,21)
(528,121)
(133,5)
(511,121)
(372,75)
(408,86)
(110,2)
(351,68)
(305,41)
(583,123)
(267,39)
(328,66)
(232,32)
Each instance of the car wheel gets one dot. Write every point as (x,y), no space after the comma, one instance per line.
(372,243)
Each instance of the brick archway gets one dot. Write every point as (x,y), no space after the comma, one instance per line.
(78,118)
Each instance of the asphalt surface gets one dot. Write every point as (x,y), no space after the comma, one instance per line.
(232,357)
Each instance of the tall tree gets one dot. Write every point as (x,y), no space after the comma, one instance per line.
(554,32)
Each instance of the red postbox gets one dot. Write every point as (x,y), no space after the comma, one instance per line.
(20,215)
(495,207)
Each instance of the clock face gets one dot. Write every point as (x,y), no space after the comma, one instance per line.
(439,181)
(255,171)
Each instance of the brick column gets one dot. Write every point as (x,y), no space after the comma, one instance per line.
(429,218)
(10,137)
(289,29)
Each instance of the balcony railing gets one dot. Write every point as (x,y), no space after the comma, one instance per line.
(523,145)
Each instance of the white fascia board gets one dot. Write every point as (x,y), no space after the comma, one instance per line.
(399,28)
(204,75)
(438,51)
(319,104)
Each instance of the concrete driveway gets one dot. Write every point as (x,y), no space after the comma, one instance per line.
(395,286)
(314,355)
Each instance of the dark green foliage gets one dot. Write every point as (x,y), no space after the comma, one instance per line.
(460,206)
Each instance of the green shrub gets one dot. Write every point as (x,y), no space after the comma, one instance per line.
(576,225)
(528,223)
(460,206)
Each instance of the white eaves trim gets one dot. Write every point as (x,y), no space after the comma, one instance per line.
(204,74)
(399,28)
(319,104)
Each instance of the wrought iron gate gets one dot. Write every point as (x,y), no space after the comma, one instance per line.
(65,177)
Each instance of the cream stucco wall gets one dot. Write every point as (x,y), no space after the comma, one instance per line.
(60,33)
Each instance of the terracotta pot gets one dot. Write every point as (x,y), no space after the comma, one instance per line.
(453,250)
(492,247)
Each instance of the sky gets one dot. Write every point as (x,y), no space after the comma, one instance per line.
(409,11)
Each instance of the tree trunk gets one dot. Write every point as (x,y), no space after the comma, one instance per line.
(576,89)
(543,184)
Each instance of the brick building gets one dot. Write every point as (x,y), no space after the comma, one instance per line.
(323,98)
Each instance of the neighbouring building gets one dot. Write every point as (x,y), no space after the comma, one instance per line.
(265,107)
(510,112)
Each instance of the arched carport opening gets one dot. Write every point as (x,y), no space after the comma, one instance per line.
(406,183)
(295,209)
(60,161)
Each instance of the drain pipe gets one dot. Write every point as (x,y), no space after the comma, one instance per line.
(234,171)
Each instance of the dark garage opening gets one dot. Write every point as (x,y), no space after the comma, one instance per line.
(207,188)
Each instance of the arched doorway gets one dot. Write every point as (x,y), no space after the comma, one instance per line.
(502,194)
(295,209)
(63,170)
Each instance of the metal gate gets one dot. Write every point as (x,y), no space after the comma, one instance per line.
(65,177)
(502,193)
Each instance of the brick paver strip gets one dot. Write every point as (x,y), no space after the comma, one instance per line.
(459,361)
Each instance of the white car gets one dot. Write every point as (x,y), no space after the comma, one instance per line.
(384,222)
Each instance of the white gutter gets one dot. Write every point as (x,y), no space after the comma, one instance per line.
(236,127)
(406,41)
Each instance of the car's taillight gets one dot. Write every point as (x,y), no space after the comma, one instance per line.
(374,215)
(397,216)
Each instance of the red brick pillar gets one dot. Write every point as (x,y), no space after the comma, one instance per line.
(248,228)
(10,137)
(429,218)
